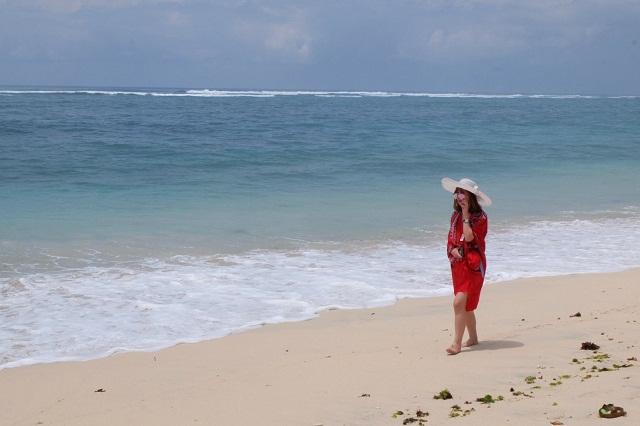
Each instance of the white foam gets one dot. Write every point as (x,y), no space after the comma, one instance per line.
(211,93)
(73,92)
(88,312)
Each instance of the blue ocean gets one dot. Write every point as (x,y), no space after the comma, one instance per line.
(135,219)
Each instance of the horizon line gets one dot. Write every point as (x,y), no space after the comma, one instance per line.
(311,91)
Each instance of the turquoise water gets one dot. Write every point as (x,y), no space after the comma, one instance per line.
(144,204)
(232,168)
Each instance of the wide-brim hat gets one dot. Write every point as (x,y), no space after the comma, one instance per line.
(469,185)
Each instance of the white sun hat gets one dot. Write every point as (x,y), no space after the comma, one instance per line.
(466,183)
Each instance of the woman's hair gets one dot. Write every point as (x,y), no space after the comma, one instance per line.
(474,206)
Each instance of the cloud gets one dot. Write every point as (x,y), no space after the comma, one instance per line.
(461,42)
(489,29)
(178,19)
(451,44)
(289,37)
(282,32)
(67,6)
(473,42)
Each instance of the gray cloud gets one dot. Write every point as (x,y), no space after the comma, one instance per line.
(67,6)
(589,46)
(495,28)
(279,31)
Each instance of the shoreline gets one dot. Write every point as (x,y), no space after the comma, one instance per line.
(254,326)
(320,370)
(251,327)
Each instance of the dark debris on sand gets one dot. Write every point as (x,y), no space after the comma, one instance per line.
(420,417)
(589,346)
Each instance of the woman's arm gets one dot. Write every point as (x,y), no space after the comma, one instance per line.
(452,250)
(478,231)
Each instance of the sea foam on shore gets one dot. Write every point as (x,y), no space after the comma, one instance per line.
(149,303)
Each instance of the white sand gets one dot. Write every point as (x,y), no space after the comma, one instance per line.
(315,372)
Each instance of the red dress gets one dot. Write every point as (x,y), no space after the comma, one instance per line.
(465,279)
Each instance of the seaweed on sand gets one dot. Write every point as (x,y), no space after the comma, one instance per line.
(443,394)
(589,346)
(489,399)
(456,411)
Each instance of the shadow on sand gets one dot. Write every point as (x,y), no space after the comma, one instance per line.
(492,345)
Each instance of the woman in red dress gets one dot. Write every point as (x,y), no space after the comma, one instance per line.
(466,252)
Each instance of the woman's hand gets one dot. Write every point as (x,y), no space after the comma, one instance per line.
(464,206)
(456,253)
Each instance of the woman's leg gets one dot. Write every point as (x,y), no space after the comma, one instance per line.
(459,304)
(470,323)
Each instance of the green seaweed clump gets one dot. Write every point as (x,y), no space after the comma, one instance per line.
(456,411)
(616,366)
(419,417)
(530,380)
(443,394)
(599,357)
(556,382)
(488,399)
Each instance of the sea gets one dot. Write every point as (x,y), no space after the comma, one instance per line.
(133,219)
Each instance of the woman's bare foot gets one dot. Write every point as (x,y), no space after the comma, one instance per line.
(454,349)
(470,343)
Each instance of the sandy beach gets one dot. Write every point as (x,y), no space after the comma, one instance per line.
(360,367)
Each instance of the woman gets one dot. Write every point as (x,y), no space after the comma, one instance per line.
(465,249)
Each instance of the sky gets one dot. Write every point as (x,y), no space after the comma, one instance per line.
(478,46)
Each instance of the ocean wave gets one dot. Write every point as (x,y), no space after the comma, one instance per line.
(210,93)
(74,92)
(87,312)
